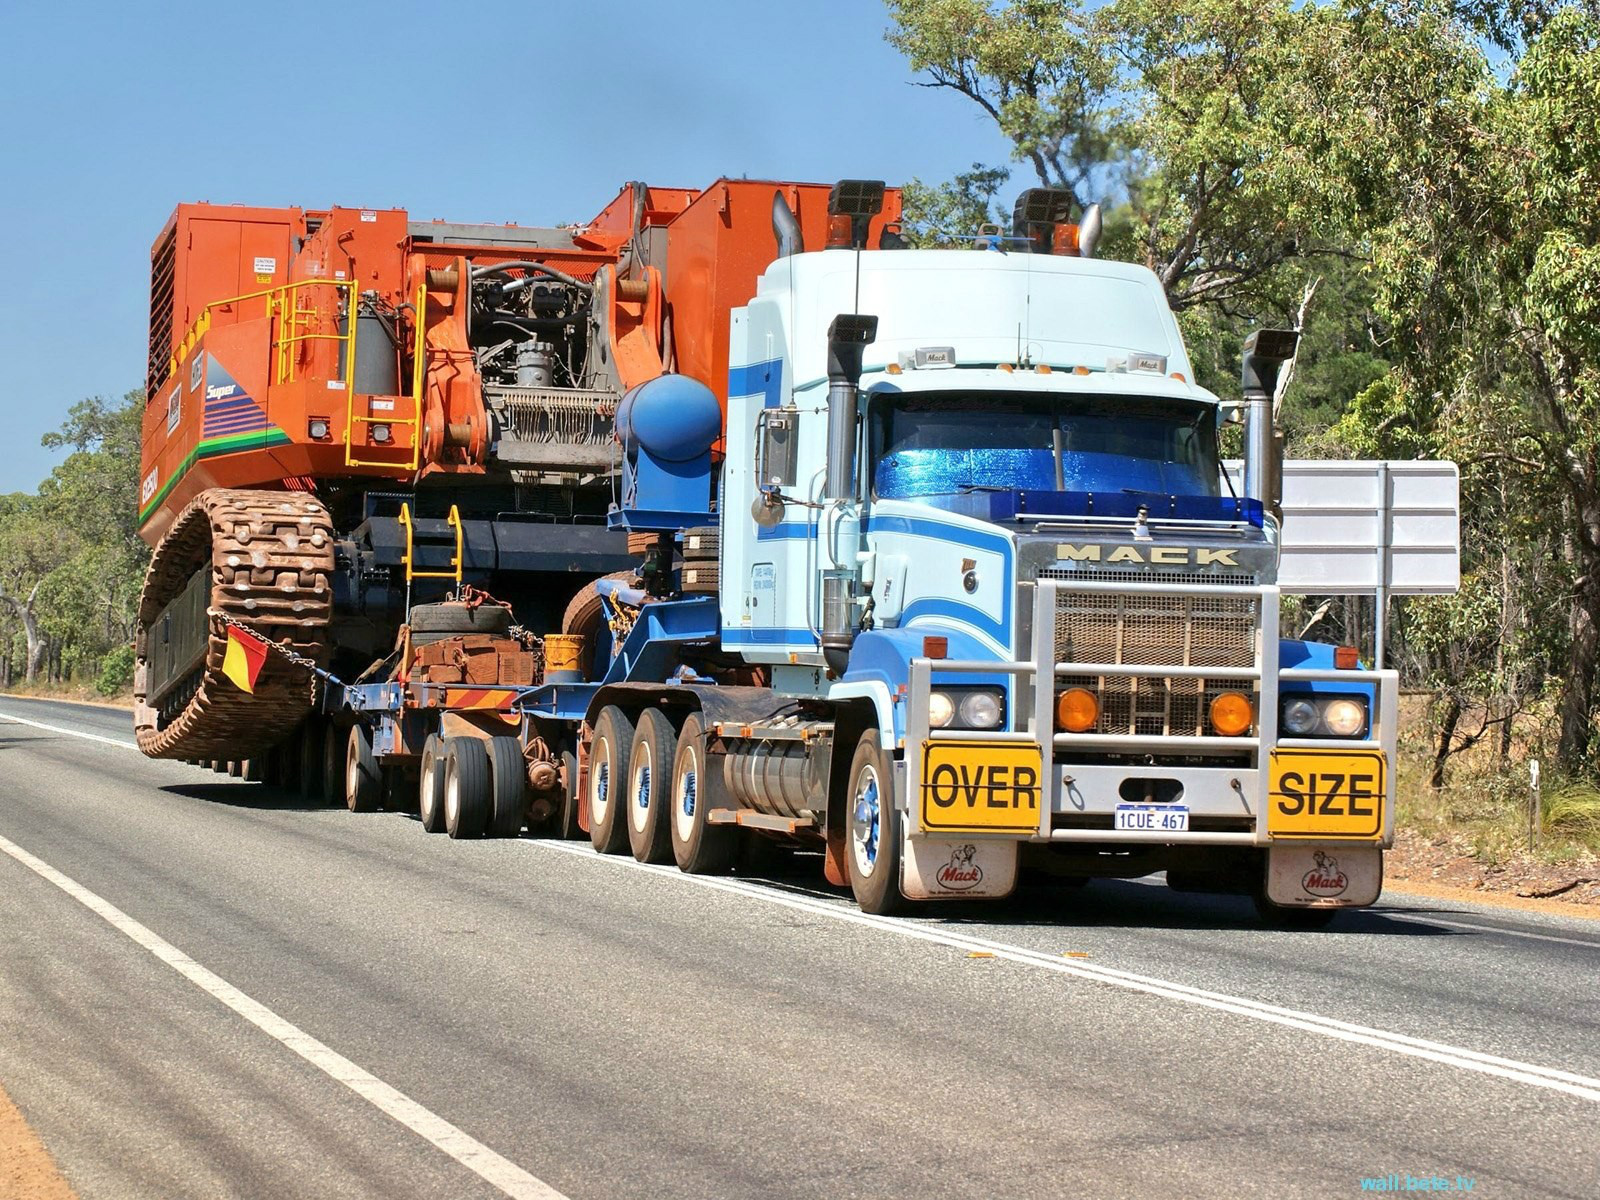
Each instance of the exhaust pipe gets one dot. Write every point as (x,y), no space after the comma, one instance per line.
(1265,352)
(1089,231)
(848,336)
(786,228)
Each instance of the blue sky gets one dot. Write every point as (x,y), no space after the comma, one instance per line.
(113,111)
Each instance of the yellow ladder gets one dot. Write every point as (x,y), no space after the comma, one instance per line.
(455,563)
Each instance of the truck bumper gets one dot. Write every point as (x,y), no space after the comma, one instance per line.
(965,788)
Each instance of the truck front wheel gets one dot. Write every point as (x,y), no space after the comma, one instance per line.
(874,825)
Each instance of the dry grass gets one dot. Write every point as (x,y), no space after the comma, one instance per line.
(1485,802)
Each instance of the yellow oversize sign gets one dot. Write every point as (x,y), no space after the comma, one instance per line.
(1326,794)
(980,787)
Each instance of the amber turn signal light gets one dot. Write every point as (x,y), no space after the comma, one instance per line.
(1231,714)
(1077,710)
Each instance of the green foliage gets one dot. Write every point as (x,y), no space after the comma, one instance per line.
(71,561)
(116,671)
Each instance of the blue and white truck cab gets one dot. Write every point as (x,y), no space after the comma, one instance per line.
(1002,604)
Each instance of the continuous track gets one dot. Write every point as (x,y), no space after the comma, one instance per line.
(271,556)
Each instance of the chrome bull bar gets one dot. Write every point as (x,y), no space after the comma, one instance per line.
(1038,730)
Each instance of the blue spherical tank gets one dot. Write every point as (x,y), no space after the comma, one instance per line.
(672,417)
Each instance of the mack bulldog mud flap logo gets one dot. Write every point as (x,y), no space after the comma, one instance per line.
(961,873)
(1325,879)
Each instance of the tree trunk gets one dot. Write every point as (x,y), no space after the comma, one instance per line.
(1446,735)
(1577,692)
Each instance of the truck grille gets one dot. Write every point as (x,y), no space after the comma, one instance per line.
(1155,631)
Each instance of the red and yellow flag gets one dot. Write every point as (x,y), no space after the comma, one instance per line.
(244,658)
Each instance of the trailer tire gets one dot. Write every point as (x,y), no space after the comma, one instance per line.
(466,787)
(310,772)
(699,847)
(608,772)
(655,746)
(363,781)
(873,824)
(430,785)
(508,787)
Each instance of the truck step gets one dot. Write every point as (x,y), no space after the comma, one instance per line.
(751,819)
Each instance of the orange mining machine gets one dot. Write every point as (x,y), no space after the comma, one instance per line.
(351,413)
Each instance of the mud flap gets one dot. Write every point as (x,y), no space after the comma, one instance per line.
(946,869)
(1324,876)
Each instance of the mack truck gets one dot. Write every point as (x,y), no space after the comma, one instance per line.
(730,520)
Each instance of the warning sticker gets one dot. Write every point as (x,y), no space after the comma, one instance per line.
(266,266)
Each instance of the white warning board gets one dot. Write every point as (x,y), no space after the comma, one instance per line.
(1353,528)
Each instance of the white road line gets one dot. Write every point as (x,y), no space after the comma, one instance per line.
(1582,1086)
(77,733)
(1537,937)
(498,1172)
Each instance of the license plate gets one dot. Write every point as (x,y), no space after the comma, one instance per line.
(980,787)
(1326,794)
(1152,818)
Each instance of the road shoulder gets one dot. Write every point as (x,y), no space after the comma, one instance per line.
(27,1172)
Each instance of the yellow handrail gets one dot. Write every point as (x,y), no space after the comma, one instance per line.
(455,563)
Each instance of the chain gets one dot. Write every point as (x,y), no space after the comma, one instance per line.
(282,651)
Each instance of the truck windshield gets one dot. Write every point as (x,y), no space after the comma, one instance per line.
(937,443)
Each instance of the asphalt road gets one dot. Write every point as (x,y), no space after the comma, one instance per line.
(556,1022)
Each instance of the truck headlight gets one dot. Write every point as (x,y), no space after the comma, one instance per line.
(981,710)
(1324,716)
(1300,718)
(941,710)
(1345,717)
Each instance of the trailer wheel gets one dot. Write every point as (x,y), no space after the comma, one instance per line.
(309,775)
(569,830)
(874,826)
(655,746)
(699,847)
(508,785)
(608,771)
(363,783)
(466,787)
(430,785)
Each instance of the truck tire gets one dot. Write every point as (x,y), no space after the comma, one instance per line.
(701,543)
(466,787)
(569,830)
(458,619)
(508,787)
(698,847)
(608,773)
(311,734)
(585,613)
(363,782)
(430,785)
(874,829)
(701,579)
(655,746)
